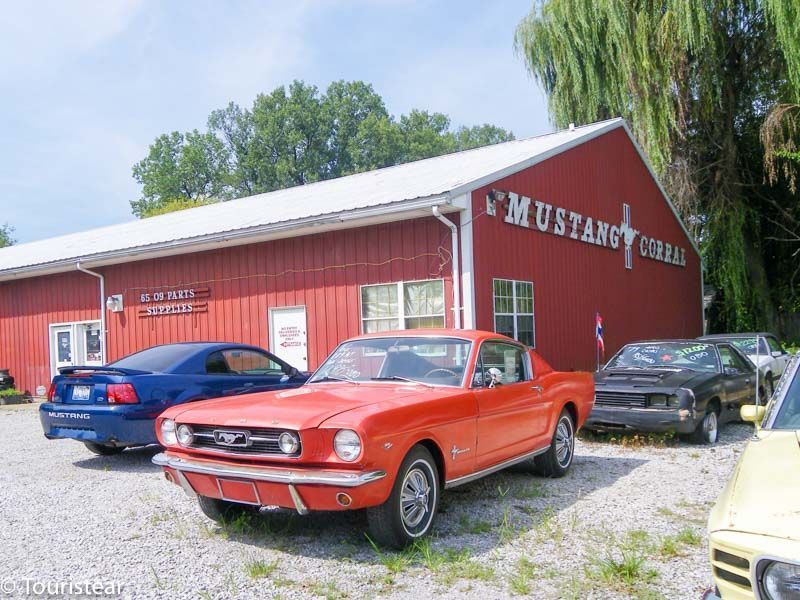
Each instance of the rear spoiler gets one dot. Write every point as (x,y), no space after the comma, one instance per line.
(100,371)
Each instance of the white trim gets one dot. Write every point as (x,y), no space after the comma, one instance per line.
(515,314)
(271,325)
(373,215)
(468,320)
(401,309)
(74,332)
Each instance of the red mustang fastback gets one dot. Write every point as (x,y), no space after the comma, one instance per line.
(386,423)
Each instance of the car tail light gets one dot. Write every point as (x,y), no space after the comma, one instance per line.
(121,393)
(51,393)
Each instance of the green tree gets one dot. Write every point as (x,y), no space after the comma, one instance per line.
(696,80)
(6,235)
(292,136)
(192,165)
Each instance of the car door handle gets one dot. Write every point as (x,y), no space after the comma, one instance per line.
(537,388)
(249,384)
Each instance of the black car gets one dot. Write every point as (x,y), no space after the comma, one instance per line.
(6,380)
(687,386)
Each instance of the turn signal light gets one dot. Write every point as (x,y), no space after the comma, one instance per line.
(51,393)
(121,393)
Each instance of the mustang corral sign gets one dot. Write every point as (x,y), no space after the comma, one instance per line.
(559,221)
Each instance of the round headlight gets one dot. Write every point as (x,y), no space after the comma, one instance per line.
(185,435)
(289,442)
(347,444)
(781,580)
(168,432)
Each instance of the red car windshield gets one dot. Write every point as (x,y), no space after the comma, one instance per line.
(680,355)
(430,361)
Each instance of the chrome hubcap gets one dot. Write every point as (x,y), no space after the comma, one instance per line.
(564,442)
(711,427)
(414,498)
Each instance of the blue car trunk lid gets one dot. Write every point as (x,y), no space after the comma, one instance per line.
(87,385)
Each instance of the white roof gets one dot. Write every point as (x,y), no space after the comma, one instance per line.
(282,213)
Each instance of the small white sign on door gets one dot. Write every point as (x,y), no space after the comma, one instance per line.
(288,338)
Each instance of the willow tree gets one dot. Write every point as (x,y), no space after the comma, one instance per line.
(695,79)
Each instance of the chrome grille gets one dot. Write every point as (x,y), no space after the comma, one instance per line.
(260,440)
(605,398)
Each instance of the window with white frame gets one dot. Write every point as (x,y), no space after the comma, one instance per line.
(513,310)
(402,305)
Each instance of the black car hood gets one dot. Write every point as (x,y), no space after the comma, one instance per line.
(650,378)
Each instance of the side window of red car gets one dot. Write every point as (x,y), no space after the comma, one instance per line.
(501,363)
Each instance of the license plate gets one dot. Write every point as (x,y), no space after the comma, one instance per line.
(81,392)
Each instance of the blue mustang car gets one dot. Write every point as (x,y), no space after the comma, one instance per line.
(112,407)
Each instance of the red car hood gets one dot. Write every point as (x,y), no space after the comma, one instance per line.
(300,408)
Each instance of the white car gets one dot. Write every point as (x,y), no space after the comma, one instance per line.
(768,354)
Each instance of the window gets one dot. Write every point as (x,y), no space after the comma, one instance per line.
(774,346)
(242,362)
(513,310)
(508,359)
(730,359)
(402,305)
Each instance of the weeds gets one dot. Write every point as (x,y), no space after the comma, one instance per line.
(520,580)
(258,569)
(631,440)
(689,536)
(467,525)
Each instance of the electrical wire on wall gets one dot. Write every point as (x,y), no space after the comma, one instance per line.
(442,254)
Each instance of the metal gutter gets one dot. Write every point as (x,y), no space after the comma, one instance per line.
(455,261)
(103,332)
(234,237)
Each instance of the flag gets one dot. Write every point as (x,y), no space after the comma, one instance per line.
(598,320)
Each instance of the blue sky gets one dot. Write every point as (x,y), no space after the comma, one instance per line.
(85,87)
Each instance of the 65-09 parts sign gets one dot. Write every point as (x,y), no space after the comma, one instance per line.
(160,302)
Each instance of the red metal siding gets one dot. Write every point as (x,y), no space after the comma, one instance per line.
(574,280)
(324,272)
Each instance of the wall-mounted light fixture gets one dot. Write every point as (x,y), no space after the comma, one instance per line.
(114,303)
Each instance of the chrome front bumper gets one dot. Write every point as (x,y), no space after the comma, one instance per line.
(272,474)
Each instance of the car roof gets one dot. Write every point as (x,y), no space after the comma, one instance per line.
(464,334)
(730,336)
(207,345)
(665,341)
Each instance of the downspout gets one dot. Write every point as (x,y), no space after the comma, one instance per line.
(102,308)
(454,258)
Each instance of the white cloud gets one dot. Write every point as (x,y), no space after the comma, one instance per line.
(48,33)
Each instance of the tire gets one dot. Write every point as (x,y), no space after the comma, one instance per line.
(402,519)
(707,431)
(770,385)
(103,449)
(558,458)
(221,511)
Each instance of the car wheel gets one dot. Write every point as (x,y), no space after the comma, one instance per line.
(103,449)
(558,458)
(221,511)
(707,430)
(409,512)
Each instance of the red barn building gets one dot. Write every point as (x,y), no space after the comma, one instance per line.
(531,238)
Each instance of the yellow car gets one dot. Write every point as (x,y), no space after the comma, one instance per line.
(754,528)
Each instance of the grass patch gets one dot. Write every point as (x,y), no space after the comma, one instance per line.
(469,525)
(532,490)
(520,581)
(258,569)
(328,591)
(689,536)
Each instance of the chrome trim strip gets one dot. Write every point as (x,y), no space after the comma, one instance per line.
(184,483)
(275,475)
(302,509)
(498,467)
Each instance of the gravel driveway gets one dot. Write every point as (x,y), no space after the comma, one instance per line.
(626,522)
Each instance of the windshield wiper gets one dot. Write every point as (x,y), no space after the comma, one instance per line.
(334,378)
(400,378)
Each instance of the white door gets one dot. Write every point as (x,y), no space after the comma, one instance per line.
(91,348)
(287,335)
(62,347)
